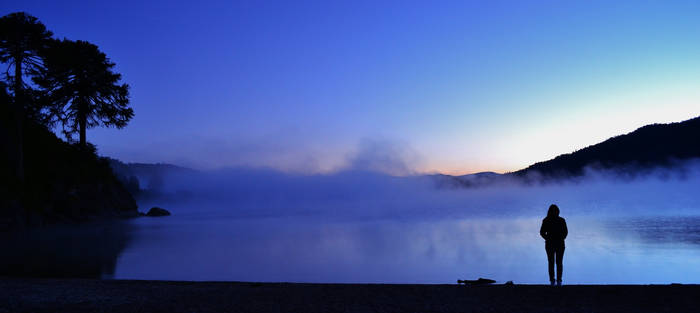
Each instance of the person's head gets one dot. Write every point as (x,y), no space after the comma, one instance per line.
(553,211)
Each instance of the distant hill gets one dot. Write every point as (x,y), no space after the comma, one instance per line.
(651,146)
(469,180)
(144,179)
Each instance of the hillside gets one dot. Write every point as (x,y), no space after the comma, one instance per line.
(63,183)
(465,181)
(144,180)
(651,146)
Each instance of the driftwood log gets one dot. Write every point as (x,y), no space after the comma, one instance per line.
(480,281)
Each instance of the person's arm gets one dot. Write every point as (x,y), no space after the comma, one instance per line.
(566,230)
(543,232)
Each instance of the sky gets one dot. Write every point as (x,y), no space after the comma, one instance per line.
(316,86)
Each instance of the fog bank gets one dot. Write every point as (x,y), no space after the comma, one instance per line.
(366,194)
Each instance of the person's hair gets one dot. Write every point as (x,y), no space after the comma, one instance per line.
(553,211)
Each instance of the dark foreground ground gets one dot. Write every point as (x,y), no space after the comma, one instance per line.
(66,295)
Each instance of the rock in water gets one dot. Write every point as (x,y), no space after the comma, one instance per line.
(156,211)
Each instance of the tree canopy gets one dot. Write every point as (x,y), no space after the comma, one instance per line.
(22,40)
(82,88)
(78,87)
(46,83)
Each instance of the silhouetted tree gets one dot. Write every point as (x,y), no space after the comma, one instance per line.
(22,38)
(83,89)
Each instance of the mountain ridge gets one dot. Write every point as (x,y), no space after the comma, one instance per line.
(650,146)
(647,147)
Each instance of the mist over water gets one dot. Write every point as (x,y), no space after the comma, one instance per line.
(360,225)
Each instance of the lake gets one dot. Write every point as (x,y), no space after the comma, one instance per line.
(371,228)
(636,251)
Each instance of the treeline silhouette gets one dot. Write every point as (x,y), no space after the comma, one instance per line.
(56,84)
(146,181)
(651,146)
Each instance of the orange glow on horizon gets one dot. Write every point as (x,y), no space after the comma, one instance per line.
(459,171)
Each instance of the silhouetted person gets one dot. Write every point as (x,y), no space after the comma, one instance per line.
(554,232)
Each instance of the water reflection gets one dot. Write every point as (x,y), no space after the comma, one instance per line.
(667,230)
(307,249)
(86,250)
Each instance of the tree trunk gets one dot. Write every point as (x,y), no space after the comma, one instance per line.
(82,124)
(19,119)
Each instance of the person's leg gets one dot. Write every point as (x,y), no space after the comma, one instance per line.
(550,263)
(560,262)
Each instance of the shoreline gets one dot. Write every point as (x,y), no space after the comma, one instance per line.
(93,295)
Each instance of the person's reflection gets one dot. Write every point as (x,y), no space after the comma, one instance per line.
(554,232)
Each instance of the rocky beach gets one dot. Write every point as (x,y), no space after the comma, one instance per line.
(78,295)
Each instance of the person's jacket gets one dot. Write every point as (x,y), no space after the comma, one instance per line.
(554,230)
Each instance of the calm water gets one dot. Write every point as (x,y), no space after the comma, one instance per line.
(370,228)
(207,246)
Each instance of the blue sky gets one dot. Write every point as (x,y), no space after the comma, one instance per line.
(453,87)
